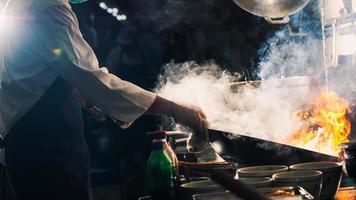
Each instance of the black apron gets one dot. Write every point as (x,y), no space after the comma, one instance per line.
(6,190)
(46,153)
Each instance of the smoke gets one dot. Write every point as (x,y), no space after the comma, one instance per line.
(284,56)
(263,109)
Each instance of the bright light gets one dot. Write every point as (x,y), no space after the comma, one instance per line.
(2,22)
(10,27)
(113,11)
(7,24)
(103,6)
(2,16)
(121,17)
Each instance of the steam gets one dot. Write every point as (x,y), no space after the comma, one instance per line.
(285,56)
(266,111)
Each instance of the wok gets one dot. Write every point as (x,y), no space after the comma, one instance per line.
(243,150)
(274,11)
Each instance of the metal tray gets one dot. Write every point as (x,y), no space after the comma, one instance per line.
(299,194)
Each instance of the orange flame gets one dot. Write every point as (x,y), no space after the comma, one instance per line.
(325,124)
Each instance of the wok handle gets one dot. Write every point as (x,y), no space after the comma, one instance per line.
(235,186)
(173,133)
(283,20)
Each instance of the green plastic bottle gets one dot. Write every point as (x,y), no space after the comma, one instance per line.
(160,173)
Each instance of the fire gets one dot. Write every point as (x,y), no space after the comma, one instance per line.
(325,123)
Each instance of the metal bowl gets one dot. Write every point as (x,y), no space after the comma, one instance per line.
(272,9)
(332,173)
(261,171)
(308,179)
(349,154)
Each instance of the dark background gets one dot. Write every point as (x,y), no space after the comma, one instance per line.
(183,30)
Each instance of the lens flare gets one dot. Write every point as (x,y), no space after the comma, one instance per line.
(8,22)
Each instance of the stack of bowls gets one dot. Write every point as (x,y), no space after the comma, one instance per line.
(308,179)
(258,182)
(259,176)
(199,187)
(260,171)
(331,176)
(320,179)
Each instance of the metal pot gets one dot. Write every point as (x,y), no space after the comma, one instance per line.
(274,11)
(349,155)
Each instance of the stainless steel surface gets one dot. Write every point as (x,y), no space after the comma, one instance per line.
(177,133)
(216,196)
(297,191)
(275,11)
(243,150)
(349,156)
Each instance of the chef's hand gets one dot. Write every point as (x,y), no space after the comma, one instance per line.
(194,118)
(187,115)
(190,116)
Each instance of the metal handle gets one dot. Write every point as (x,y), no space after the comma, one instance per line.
(180,141)
(282,20)
(332,53)
(335,48)
(173,133)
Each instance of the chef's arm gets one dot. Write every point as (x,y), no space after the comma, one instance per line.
(69,55)
(72,58)
(120,99)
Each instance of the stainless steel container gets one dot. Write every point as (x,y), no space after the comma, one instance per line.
(274,11)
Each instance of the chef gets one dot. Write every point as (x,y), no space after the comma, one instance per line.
(43,57)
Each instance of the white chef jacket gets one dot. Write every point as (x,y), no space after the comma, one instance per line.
(47,43)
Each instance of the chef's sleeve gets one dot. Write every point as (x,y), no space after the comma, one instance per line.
(72,58)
